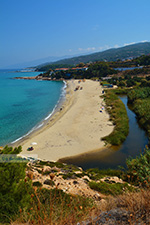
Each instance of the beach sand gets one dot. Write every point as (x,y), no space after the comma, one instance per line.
(76,128)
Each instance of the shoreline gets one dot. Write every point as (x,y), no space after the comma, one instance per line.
(41,124)
(48,121)
(75,129)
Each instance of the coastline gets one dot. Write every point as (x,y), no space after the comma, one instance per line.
(41,124)
(48,121)
(75,129)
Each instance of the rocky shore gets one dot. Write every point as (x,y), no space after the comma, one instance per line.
(33,78)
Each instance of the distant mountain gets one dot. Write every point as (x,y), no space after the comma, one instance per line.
(114,54)
(34,63)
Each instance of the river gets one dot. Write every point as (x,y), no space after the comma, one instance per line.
(115,156)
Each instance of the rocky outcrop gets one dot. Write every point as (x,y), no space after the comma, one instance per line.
(66,179)
(112,217)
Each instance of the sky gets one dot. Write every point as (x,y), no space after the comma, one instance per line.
(36,29)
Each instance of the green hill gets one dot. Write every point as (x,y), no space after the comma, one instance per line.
(113,54)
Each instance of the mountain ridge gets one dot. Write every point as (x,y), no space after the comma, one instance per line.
(113,54)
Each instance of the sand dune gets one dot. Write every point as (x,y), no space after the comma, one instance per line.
(76,129)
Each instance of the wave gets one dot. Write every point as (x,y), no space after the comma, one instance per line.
(62,95)
(33,129)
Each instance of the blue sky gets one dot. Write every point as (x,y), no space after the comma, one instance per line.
(34,29)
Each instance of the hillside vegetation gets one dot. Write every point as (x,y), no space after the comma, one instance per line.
(140,100)
(31,193)
(118,115)
(113,54)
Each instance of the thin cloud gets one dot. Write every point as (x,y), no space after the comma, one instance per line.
(144,41)
(89,49)
(116,46)
(105,47)
(126,44)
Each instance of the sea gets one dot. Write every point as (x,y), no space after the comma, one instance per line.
(26,105)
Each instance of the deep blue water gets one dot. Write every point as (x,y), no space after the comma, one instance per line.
(24,104)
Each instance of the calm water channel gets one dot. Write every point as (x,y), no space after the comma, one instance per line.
(112,157)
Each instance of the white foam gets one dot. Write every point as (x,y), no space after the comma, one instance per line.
(33,129)
(53,111)
(16,140)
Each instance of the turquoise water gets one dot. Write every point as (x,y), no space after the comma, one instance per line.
(25,104)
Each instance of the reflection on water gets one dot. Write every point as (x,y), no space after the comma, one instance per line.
(114,156)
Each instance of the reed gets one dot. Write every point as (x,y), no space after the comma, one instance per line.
(118,115)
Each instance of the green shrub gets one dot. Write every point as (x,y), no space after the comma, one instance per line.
(49,182)
(96,174)
(70,175)
(110,189)
(138,171)
(139,93)
(118,115)
(8,208)
(37,184)
(14,189)
(140,99)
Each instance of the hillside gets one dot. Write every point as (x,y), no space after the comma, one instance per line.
(44,192)
(113,54)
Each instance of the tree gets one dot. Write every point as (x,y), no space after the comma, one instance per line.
(121,84)
(14,189)
(130,83)
(81,64)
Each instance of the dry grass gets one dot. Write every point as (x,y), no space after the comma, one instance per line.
(54,207)
(137,203)
(68,211)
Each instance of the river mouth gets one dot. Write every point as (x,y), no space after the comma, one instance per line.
(115,156)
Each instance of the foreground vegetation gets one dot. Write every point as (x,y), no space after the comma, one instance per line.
(118,115)
(13,186)
(20,198)
(24,202)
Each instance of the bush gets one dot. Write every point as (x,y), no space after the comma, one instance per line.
(140,99)
(37,184)
(96,174)
(70,175)
(8,208)
(140,93)
(14,189)
(138,171)
(111,189)
(118,115)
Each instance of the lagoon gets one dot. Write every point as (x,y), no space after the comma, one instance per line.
(115,156)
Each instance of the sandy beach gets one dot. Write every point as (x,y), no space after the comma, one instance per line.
(76,128)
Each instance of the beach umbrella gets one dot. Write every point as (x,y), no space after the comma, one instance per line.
(33,143)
